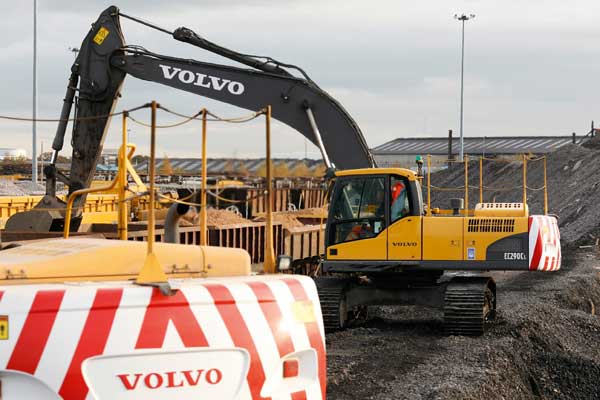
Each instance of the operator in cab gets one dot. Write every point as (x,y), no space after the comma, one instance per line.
(399,202)
(398,209)
(374,209)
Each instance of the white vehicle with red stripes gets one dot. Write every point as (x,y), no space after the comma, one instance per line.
(75,325)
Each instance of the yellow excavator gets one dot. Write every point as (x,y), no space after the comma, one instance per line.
(383,247)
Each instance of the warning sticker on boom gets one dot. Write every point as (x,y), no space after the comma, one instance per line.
(101,35)
(3,327)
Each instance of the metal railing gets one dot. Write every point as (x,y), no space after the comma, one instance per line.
(524,159)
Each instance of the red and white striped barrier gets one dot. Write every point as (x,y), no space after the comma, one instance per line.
(135,343)
(544,243)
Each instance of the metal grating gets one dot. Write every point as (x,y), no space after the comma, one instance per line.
(491,225)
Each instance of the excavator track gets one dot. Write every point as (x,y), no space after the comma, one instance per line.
(332,296)
(469,302)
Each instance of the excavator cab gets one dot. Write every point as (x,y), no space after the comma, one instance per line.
(384,248)
(375,216)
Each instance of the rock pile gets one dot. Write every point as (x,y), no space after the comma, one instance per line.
(214,216)
(8,188)
(31,188)
(573,188)
(20,188)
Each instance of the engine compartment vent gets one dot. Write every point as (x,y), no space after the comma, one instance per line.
(491,225)
(501,210)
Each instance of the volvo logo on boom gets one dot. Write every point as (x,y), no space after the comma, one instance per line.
(202,80)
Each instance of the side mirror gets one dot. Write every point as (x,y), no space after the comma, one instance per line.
(284,263)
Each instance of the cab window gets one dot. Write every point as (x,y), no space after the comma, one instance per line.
(399,199)
(358,209)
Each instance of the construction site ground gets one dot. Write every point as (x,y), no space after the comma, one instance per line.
(544,343)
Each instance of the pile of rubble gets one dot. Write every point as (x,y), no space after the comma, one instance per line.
(31,188)
(287,219)
(573,188)
(8,188)
(214,217)
(543,345)
(20,188)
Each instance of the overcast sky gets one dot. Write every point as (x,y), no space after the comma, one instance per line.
(531,67)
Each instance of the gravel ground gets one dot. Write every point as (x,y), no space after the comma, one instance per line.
(544,342)
(543,345)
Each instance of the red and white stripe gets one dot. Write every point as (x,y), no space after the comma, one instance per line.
(544,243)
(53,328)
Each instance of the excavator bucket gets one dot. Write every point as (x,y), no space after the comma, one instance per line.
(46,216)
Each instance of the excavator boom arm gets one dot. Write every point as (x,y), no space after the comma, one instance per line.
(104,60)
(290,98)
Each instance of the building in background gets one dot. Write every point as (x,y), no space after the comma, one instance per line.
(109,156)
(12,154)
(402,152)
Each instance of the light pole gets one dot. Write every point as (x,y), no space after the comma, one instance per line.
(74,50)
(462,18)
(34,173)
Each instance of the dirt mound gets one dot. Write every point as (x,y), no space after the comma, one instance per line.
(8,188)
(592,143)
(287,219)
(224,217)
(583,294)
(298,218)
(573,188)
(20,188)
(31,188)
(214,216)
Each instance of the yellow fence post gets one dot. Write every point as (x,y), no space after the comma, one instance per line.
(545,189)
(466,161)
(152,172)
(269,257)
(524,180)
(151,271)
(481,179)
(122,207)
(428,184)
(71,200)
(203,210)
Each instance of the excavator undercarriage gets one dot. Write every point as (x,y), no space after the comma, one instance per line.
(383,246)
(468,302)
